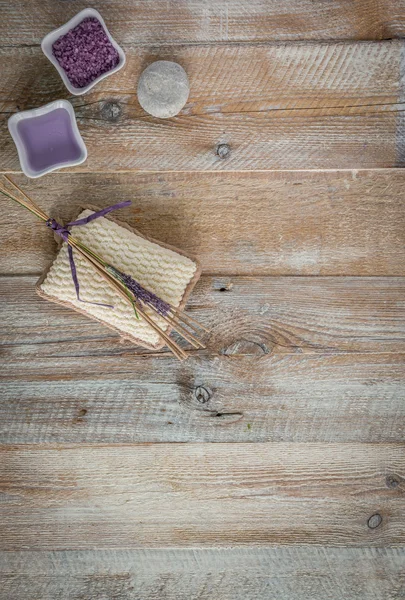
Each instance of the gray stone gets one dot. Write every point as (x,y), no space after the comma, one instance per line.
(163,89)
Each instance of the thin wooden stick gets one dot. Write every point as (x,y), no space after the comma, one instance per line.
(31,202)
(181,323)
(181,353)
(189,337)
(178,318)
(25,204)
(185,316)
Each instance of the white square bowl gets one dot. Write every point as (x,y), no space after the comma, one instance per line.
(37,112)
(54,35)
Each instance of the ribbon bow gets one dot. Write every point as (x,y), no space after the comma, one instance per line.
(63,232)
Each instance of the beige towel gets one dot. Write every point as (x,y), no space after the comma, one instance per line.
(160,268)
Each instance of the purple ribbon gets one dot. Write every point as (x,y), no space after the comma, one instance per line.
(64,233)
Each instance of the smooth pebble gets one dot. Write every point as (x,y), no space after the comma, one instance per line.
(163,89)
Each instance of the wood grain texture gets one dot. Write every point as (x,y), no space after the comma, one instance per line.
(286,573)
(271,314)
(266,223)
(281,365)
(302,106)
(137,496)
(190,21)
(311,367)
(88,393)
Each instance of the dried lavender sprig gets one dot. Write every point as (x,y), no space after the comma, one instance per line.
(139,291)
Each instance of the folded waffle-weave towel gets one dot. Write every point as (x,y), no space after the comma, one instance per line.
(159,269)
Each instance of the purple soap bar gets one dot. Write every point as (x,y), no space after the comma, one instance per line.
(85,52)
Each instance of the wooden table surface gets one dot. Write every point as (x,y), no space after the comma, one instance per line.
(272,464)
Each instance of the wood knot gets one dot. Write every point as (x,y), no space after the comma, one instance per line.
(392,481)
(111,111)
(245,347)
(202,394)
(223,151)
(81,414)
(374,521)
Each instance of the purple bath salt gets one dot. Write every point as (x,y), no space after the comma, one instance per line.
(85,52)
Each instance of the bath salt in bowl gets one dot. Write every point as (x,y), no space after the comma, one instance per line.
(83,51)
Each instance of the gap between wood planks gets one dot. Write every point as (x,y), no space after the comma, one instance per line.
(394,107)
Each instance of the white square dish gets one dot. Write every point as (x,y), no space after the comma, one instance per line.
(52,134)
(53,36)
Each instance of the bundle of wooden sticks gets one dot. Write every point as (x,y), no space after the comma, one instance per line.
(140,298)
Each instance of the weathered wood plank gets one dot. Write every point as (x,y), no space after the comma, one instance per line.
(187,21)
(271,371)
(278,107)
(286,573)
(111,397)
(266,223)
(136,496)
(258,315)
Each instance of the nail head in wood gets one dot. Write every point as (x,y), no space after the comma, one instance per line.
(223,151)
(374,521)
(111,111)
(163,89)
